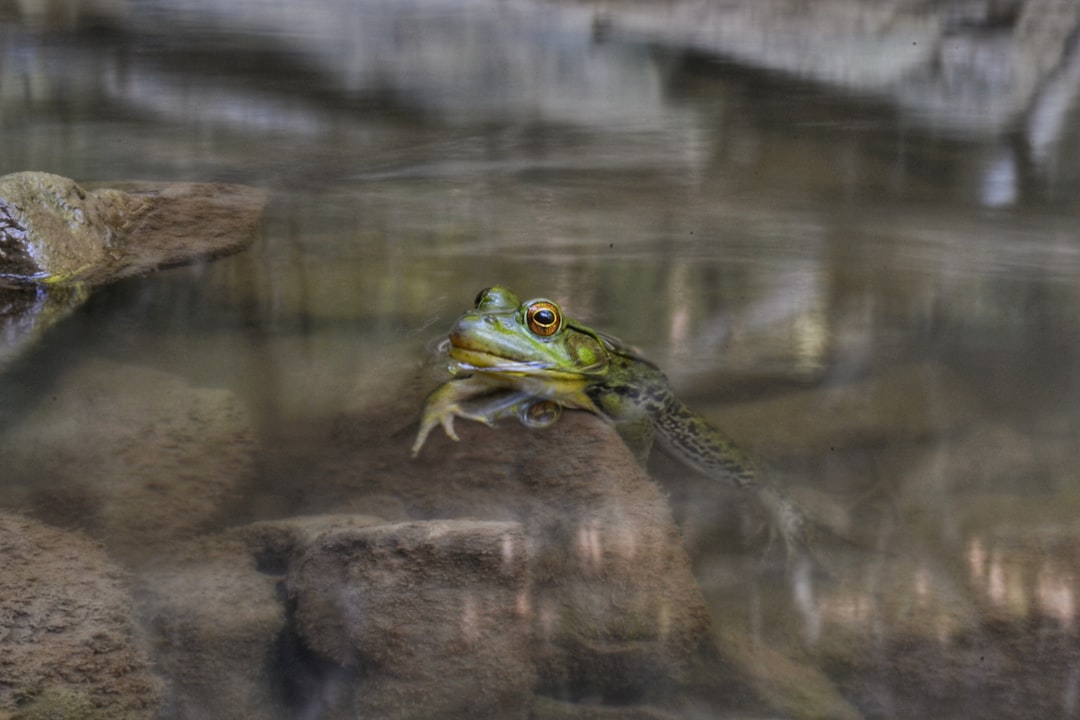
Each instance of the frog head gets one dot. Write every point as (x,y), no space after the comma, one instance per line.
(503,335)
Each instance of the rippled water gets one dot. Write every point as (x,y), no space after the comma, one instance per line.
(878,302)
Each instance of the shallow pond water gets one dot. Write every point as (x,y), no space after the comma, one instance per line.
(878,303)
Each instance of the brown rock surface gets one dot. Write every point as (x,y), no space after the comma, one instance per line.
(56,231)
(434,615)
(136,457)
(51,229)
(67,641)
(214,623)
(57,239)
(612,603)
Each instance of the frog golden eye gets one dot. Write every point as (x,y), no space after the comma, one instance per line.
(543,318)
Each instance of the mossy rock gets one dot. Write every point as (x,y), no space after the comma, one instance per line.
(53,230)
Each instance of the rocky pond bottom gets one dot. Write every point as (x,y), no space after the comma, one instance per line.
(417,594)
(513,575)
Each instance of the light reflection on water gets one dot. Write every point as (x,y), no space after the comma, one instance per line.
(883,312)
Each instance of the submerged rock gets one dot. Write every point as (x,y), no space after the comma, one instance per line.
(434,614)
(214,622)
(612,605)
(215,611)
(398,620)
(512,578)
(135,457)
(67,641)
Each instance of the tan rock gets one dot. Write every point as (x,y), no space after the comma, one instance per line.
(68,647)
(433,614)
(215,623)
(53,230)
(612,603)
(136,457)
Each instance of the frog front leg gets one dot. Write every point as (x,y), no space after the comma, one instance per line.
(445,403)
(486,401)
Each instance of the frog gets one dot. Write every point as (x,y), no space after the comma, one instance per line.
(508,356)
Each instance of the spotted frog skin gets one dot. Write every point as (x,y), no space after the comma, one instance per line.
(531,357)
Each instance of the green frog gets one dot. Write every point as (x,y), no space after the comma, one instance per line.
(528,358)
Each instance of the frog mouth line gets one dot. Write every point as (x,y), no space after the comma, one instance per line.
(485,362)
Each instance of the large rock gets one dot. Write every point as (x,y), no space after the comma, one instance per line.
(435,615)
(613,606)
(345,616)
(53,230)
(400,620)
(136,457)
(502,574)
(215,624)
(67,643)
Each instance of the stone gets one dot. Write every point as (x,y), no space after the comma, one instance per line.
(613,607)
(180,224)
(215,623)
(53,230)
(433,615)
(222,631)
(402,619)
(380,620)
(135,457)
(58,239)
(68,642)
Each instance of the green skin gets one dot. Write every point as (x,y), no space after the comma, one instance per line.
(522,357)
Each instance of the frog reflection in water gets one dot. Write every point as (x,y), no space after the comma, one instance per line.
(523,356)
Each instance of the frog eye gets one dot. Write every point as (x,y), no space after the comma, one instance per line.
(543,318)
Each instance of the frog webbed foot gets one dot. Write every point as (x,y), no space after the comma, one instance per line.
(445,404)
(428,424)
(445,417)
(482,402)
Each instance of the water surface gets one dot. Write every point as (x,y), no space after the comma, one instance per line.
(879,304)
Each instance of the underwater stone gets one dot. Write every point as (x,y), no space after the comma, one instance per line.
(400,620)
(67,639)
(136,457)
(216,621)
(434,614)
(612,603)
(223,637)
